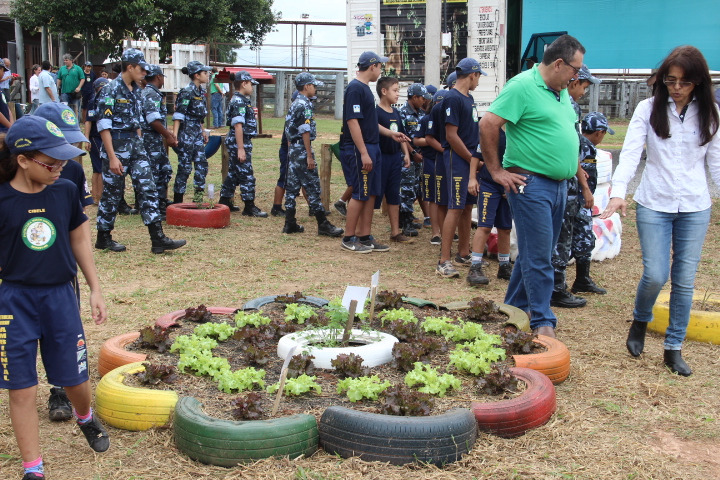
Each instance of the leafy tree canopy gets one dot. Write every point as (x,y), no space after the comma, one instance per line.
(107,23)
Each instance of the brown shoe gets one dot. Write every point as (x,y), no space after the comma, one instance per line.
(548,331)
(400,238)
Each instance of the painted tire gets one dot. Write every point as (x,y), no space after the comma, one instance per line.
(213,145)
(114,355)
(131,408)
(188,215)
(373,354)
(256,303)
(439,439)
(516,317)
(170,319)
(227,443)
(511,418)
(555,362)
(702,327)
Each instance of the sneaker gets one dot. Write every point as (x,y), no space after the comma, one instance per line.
(33,476)
(504,271)
(277,212)
(465,261)
(476,275)
(400,238)
(375,245)
(426,223)
(341,207)
(446,269)
(354,245)
(59,405)
(436,240)
(95,433)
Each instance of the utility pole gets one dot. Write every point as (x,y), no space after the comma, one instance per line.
(432,42)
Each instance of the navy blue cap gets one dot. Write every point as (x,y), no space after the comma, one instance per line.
(432,89)
(450,80)
(194,67)
(154,70)
(306,78)
(244,76)
(584,74)
(100,82)
(133,55)
(468,65)
(439,95)
(594,121)
(88,64)
(419,90)
(32,132)
(370,58)
(64,118)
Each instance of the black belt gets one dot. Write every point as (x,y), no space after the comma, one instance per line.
(123,134)
(522,171)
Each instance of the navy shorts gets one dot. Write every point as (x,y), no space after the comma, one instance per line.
(364,184)
(95,144)
(390,172)
(48,315)
(441,192)
(428,180)
(457,173)
(493,207)
(283,154)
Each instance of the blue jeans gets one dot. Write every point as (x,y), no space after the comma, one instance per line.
(538,214)
(658,232)
(73,103)
(216,105)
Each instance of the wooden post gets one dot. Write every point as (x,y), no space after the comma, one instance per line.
(373,292)
(280,95)
(283,377)
(349,324)
(225,158)
(325,174)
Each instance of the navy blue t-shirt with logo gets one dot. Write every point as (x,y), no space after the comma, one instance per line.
(359,104)
(436,123)
(460,111)
(428,151)
(393,122)
(35,234)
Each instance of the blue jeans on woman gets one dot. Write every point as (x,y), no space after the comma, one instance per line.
(658,232)
(538,213)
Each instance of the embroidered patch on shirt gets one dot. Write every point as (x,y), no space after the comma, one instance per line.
(447,111)
(356,108)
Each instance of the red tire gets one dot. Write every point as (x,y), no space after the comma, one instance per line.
(188,215)
(170,319)
(555,362)
(113,353)
(511,418)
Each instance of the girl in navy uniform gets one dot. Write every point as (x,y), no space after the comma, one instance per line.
(45,236)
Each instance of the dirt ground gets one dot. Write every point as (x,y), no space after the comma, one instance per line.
(617,417)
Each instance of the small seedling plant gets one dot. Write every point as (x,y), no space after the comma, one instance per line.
(299,313)
(429,380)
(297,386)
(155,374)
(247,407)
(349,366)
(199,314)
(402,401)
(155,337)
(362,388)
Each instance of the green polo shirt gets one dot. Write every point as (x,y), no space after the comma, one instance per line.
(540,128)
(70,78)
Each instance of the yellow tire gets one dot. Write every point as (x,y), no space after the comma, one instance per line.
(131,408)
(703,326)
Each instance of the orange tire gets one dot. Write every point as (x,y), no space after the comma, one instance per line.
(170,319)
(555,362)
(188,215)
(114,355)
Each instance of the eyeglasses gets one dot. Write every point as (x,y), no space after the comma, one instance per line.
(51,168)
(672,82)
(577,70)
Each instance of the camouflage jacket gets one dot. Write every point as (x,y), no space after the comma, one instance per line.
(118,108)
(411,119)
(239,110)
(190,104)
(300,119)
(154,108)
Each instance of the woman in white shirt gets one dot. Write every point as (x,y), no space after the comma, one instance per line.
(35,88)
(678,126)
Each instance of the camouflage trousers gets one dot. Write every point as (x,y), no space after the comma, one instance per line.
(299,176)
(191,152)
(131,153)
(410,186)
(239,174)
(159,162)
(577,239)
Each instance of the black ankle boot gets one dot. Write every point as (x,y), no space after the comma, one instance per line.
(291,225)
(251,210)
(106,242)
(676,364)
(636,338)
(160,242)
(561,297)
(227,201)
(325,227)
(583,282)
(125,209)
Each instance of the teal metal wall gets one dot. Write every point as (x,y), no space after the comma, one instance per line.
(629,33)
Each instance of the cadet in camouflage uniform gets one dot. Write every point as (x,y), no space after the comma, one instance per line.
(119,111)
(410,181)
(154,131)
(190,111)
(243,127)
(300,131)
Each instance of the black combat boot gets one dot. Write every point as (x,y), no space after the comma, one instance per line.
(277,211)
(291,225)
(251,210)
(561,297)
(105,242)
(325,227)
(583,282)
(160,242)
(229,203)
(406,224)
(125,209)
(674,361)
(178,197)
(636,338)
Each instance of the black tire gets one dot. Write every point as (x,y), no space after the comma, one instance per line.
(226,443)
(437,440)
(256,303)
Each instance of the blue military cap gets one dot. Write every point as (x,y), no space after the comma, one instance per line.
(64,118)
(306,78)
(584,74)
(439,95)
(450,80)
(370,58)
(468,65)
(418,89)
(244,76)
(432,89)
(194,67)
(88,64)
(100,82)
(594,121)
(154,70)
(33,132)
(133,55)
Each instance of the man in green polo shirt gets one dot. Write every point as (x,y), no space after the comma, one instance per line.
(541,154)
(70,80)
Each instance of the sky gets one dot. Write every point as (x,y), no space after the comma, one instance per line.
(321,36)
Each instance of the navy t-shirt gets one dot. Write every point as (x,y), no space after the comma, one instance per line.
(428,151)
(436,123)
(394,123)
(35,234)
(359,103)
(484,172)
(460,111)
(73,171)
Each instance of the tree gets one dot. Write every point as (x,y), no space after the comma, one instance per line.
(108,23)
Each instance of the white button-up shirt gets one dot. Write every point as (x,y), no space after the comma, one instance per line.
(674,178)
